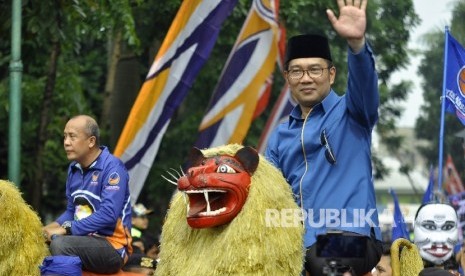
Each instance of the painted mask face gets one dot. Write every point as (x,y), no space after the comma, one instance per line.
(436,232)
(217,187)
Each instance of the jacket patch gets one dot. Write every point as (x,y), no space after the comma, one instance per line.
(114,179)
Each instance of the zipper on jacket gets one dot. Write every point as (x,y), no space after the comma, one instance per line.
(306,168)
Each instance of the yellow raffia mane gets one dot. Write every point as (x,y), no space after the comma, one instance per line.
(22,246)
(408,262)
(245,246)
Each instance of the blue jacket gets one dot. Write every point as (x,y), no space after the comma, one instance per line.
(336,196)
(99,202)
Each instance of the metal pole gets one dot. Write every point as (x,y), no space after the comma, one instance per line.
(443,108)
(16,68)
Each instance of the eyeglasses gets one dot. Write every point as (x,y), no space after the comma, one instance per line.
(297,74)
(328,152)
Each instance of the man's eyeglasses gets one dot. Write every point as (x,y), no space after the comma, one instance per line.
(297,74)
(328,152)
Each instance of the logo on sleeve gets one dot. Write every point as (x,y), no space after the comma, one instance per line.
(114,179)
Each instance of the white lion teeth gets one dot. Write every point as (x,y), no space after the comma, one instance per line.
(213,213)
(205,194)
(203,191)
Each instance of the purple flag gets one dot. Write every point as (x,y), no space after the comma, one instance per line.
(184,51)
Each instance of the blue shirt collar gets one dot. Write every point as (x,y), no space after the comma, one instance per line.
(326,104)
(96,165)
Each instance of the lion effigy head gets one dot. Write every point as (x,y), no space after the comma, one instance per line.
(22,246)
(218,186)
(218,221)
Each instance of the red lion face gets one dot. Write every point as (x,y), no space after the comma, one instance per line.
(217,187)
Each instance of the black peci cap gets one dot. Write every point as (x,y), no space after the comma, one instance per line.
(308,45)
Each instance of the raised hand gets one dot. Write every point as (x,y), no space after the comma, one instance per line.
(351,23)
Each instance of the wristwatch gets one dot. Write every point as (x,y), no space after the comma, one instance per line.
(67,226)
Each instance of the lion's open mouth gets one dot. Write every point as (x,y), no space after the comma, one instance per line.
(206,202)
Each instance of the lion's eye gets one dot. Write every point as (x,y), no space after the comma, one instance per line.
(225,169)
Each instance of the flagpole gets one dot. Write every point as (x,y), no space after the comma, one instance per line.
(443,108)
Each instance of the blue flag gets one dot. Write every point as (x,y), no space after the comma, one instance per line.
(428,196)
(399,229)
(454,69)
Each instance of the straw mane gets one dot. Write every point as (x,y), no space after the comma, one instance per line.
(22,246)
(405,258)
(245,246)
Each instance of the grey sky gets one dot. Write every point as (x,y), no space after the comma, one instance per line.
(435,15)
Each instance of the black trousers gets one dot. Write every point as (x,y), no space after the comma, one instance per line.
(96,253)
(357,261)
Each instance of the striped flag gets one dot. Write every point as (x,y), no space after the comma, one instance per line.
(280,112)
(244,86)
(452,182)
(184,51)
(283,105)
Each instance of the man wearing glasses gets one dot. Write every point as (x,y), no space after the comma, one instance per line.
(324,149)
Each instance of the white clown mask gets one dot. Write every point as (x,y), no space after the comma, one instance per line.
(436,232)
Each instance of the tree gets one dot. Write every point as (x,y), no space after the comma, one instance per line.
(61,77)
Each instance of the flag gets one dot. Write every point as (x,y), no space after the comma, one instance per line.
(283,105)
(183,52)
(452,183)
(399,229)
(429,193)
(454,69)
(244,85)
(280,112)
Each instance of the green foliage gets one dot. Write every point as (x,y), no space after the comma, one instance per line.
(389,30)
(381,169)
(79,30)
(4,109)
